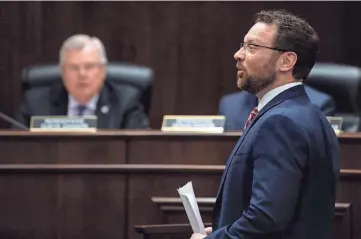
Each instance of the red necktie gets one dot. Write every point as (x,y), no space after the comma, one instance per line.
(251,116)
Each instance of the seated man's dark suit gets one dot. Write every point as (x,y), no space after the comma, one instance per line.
(280,180)
(124,110)
(237,106)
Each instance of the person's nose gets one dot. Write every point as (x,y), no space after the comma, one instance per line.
(239,55)
(82,72)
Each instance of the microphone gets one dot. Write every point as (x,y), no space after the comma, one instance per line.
(12,121)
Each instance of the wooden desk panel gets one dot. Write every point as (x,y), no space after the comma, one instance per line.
(174,211)
(138,147)
(180,150)
(144,186)
(55,203)
(350,147)
(93,201)
(28,206)
(96,185)
(63,148)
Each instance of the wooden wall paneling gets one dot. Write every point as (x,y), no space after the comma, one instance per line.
(190,45)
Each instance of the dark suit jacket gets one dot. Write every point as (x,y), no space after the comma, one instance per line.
(237,106)
(125,109)
(280,180)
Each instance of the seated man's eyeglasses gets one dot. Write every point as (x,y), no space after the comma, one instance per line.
(86,67)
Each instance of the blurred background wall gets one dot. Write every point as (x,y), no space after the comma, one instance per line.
(190,45)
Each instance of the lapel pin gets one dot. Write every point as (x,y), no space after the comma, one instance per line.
(104,109)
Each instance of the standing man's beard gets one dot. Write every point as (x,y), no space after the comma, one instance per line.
(255,84)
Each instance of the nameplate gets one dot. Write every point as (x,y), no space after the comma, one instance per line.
(336,123)
(63,123)
(191,123)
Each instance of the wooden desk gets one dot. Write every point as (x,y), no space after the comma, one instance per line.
(133,147)
(100,185)
(342,225)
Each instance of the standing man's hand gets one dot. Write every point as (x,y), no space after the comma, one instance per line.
(201,236)
(198,236)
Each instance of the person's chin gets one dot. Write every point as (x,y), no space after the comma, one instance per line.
(240,83)
(245,87)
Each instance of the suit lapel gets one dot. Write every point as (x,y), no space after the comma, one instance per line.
(287,94)
(103,109)
(59,102)
(239,142)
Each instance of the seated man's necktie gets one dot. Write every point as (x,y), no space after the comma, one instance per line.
(80,110)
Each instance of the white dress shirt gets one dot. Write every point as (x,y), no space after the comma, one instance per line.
(91,106)
(273,93)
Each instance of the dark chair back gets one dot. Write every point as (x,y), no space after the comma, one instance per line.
(343,83)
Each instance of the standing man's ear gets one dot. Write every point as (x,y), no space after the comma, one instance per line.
(287,61)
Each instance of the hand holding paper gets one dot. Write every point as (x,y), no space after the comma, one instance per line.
(188,198)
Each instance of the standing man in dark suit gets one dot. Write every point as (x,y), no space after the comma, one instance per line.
(280,180)
(85,91)
(236,106)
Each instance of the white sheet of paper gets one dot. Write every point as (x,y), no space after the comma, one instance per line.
(188,198)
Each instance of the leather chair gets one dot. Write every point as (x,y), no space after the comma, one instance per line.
(140,77)
(343,83)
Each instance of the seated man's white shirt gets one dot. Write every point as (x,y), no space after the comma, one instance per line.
(91,106)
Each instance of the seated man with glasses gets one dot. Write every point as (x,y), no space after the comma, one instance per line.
(85,91)
(236,106)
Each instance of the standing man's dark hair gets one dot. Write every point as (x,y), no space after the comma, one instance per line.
(293,34)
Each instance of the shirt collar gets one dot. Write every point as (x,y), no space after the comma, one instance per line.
(273,93)
(92,103)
